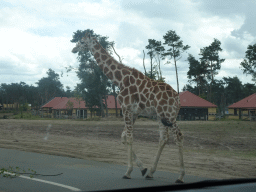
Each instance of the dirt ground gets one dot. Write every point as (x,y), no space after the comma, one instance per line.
(213,149)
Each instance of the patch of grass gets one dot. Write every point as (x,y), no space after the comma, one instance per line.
(26,116)
(93,119)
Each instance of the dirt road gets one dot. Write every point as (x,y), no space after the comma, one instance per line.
(211,149)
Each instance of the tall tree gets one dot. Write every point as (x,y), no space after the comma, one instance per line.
(233,89)
(50,86)
(197,73)
(210,56)
(20,93)
(249,62)
(176,48)
(155,50)
(248,89)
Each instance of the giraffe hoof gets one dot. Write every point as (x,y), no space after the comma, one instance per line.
(149,177)
(179,181)
(143,172)
(125,177)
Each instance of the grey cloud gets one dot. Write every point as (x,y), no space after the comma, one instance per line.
(230,8)
(155,9)
(234,47)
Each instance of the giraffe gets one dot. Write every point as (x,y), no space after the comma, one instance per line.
(139,95)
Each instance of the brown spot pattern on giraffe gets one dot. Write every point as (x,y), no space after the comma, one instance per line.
(135,98)
(126,81)
(109,61)
(154,83)
(104,57)
(135,73)
(120,99)
(125,72)
(127,100)
(141,76)
(133,89)
(162,102)
(110,76)
(97,47)
(142,106)
(106,70)
(103,51)
(96,55)
(169,93)
(118,75)
(165,96)
(132,80)
(143,98)
(159,95)
(145,91)
(142,86)
(138,82)
(159,109)
(113,67)
(171,101)
(149,84)
(124,92)
(162,88)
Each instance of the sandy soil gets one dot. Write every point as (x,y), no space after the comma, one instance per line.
(211,149)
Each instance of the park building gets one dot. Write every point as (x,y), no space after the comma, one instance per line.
(63,107)
(244,109)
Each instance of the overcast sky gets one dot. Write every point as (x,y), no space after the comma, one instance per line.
(35,34)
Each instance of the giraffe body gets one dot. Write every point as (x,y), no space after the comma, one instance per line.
(139,95)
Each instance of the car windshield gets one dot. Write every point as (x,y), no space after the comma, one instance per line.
(103,95)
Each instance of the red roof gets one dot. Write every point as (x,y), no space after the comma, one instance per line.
(55,101)
(76,104)
(111,102)
(188,99)
(248,103)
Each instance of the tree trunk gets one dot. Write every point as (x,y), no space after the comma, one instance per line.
(114,91)
(176,76)
(151,72)
(144,63)
(106,105)
(101,106)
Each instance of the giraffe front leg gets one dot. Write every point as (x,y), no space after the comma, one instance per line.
(127,138)
(139,164)
(127,175)
(162,141)
(135,158)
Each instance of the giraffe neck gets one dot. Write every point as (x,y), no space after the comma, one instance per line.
(110,67)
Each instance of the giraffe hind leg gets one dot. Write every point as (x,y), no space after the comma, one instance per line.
(178,137)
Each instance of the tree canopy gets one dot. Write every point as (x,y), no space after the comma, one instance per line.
(249,63)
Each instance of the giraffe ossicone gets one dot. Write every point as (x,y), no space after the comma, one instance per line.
(139,95)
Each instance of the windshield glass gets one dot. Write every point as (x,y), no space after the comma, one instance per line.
(101,95)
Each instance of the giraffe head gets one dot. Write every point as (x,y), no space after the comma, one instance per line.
(83,44)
